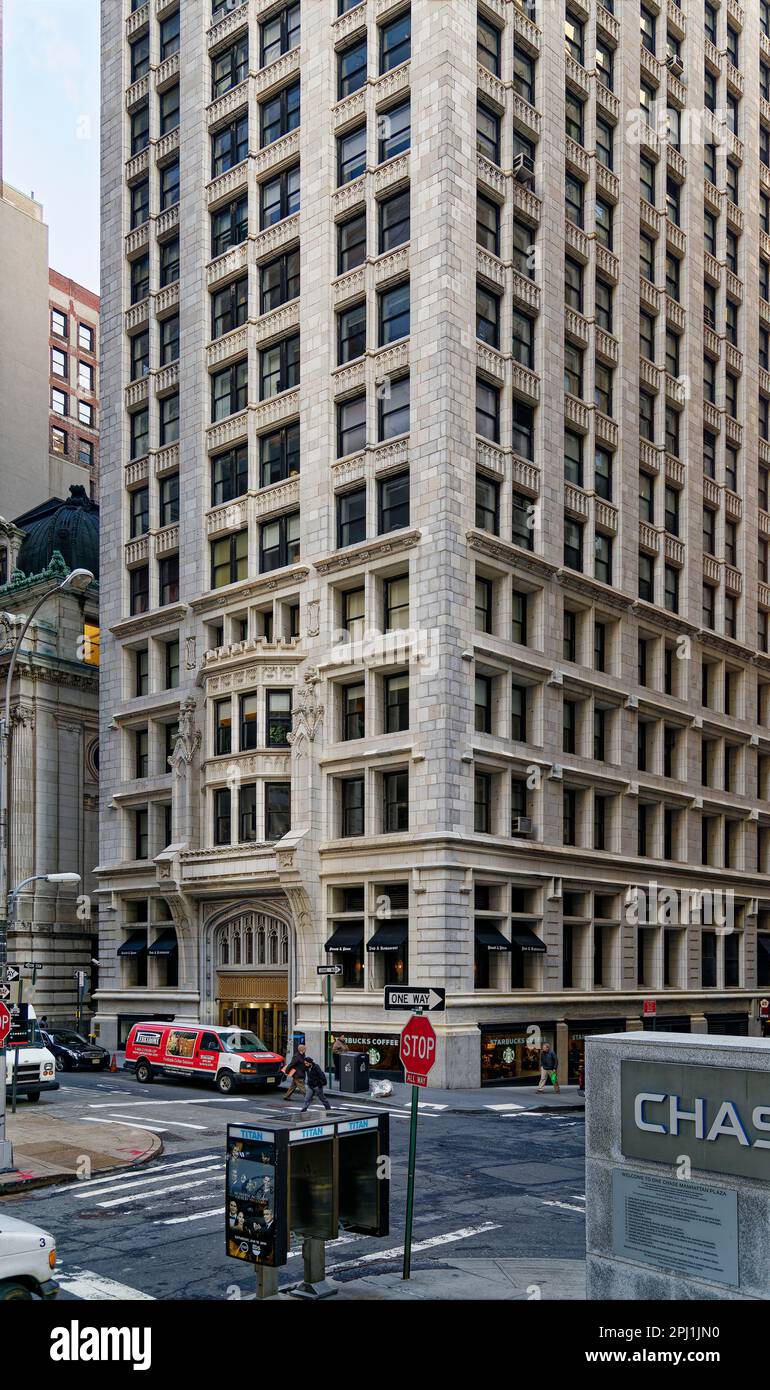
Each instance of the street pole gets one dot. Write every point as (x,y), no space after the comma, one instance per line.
(16,1056)
(410,1185)
(329,1052)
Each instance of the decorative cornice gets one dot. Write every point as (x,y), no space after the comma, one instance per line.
(160,617)
(498,549)
(593,588)
(367,550)
(235,593)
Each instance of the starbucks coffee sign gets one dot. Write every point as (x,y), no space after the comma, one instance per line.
(718,1117)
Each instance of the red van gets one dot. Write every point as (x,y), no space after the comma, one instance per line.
(228,1056)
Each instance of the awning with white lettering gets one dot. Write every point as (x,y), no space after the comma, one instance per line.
(389,936)
(348,936)
(492,937)
(165,944)
(525,939)
(134,945)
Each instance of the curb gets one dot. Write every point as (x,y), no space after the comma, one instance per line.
(14,1186)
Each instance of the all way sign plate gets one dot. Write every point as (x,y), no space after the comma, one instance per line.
(429,1000)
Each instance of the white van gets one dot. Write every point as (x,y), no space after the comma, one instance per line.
(27,1261)
(37,1067)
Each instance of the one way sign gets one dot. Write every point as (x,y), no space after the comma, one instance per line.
(428,1000)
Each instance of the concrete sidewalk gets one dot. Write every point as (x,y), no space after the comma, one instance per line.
(487,1279)
(51,1150)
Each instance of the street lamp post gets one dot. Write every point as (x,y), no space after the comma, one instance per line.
(77,581)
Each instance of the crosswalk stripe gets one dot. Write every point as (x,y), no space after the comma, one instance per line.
(141,1181)
(509,1105)
(564,1206)
(183,1220)
(147,1119)
(158,1192)
(126,1174)
(85,1283)
(124,1124)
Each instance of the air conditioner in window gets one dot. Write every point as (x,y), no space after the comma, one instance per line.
(708,317)
(524,168)
(675,65)
(521,825)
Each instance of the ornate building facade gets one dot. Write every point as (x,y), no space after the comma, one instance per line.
(54,755)
(435,518)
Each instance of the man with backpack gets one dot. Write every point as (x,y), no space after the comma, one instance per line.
(315,1080)
(295,1071)
(548,1065)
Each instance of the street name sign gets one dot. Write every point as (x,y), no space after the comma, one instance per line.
(418,1050)
(329,969)
(428,1000)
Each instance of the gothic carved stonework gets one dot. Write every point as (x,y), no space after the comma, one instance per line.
(188,738)
(307,711)
(284,859)
(189,649)
(313,617)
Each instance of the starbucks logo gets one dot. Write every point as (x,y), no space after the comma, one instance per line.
(509,1055)
(374,1056)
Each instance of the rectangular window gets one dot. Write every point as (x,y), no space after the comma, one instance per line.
(229,475)
(169,340)
(140,433)
(353,712)
(352,806)
(392,502)
(487,316)
(488,224)
(278,455)
(229,559)
(488,45)
(279,367)
(247,722)
(395,802)
(351,426)
(169,36)
(351,68)
(169,185)
(351,243)
(573,543)
(393,410)
(394,219)
(140,511)
(396,603)
(229,145)
(169,419)
(351,517)
(488,133)
(168,499)
(169,109)
(229,307)
(279,542)
(278,717)
(140,128)
(139,585)
(396,703)
(222,816)
(394,126)
(277,809)
(279,197)
(487,411)
(279,34)
(139,195)
(279,114)
(351,155)
(169,262)
(279,281)
(395,42)
(168,579)
(393,310)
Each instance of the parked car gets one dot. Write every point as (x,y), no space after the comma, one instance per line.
(229,1057)
(36,1065)
(27,1261)
(71,1051)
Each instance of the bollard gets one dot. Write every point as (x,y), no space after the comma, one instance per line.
(315,1284)
(267,1281)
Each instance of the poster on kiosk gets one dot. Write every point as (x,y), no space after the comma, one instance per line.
(256,1195)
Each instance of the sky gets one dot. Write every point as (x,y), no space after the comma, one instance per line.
(51,123)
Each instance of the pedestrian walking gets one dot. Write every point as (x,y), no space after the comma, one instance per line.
(295,1071)
(338,1047)
(315,1079)
(548,1065)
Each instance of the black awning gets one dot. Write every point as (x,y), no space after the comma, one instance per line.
(524,939)
(165,944)
(348,936)
(389,936)
(763,942)
(134,945)
(492,938)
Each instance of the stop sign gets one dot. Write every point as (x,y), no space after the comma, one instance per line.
(5,1023)
(418,1050)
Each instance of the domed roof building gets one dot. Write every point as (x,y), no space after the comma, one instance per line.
(70,527)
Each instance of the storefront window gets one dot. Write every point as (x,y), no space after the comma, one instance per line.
(576,1047)
(382,1050)
(511,1056)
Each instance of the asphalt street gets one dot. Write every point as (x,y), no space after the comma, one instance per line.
(496,1182)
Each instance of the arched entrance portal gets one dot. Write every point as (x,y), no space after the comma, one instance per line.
(251,967)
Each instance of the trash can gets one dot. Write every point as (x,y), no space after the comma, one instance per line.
(354,1072)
